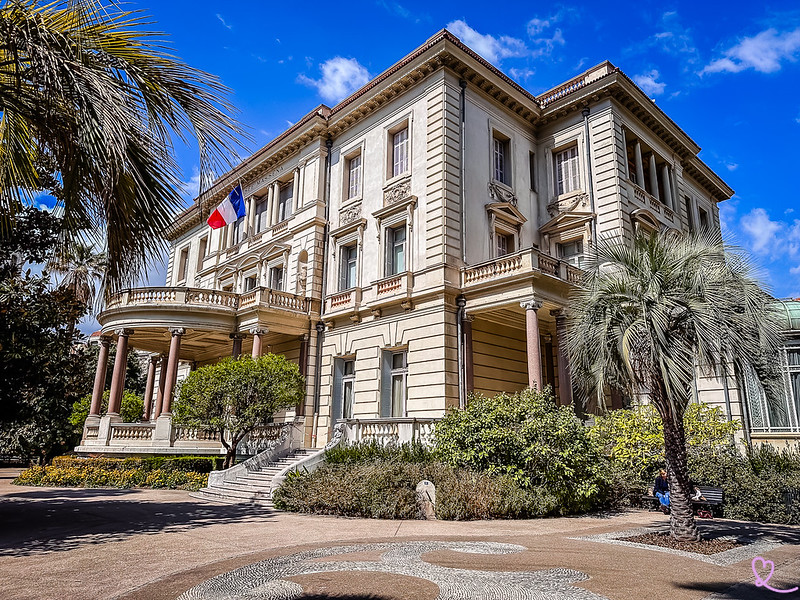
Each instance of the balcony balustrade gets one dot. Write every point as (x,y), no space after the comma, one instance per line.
(516,265)
(390,431)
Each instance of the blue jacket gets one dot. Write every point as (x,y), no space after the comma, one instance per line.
(661,485)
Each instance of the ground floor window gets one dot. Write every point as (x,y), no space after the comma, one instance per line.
(393,384)
(778,415)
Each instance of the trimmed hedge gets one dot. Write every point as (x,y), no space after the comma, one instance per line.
(180,472)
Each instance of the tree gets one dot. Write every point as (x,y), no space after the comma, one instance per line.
(90,102)
(131,409)
(81,268)
(235,396)
(135,374)
(649,312)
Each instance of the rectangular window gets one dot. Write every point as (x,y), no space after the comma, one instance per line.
(201,252)
(703,219)
(571,252)
(262,216)
(348,266)
(398,384)
(276,278)
(396,250)
(354,176)
(348,383)
(505,243)
(183,264)
(567,177)
(400,152)
(687,203)
(249,283)
(532,170)
(502,160)
(285,201)
(238,231)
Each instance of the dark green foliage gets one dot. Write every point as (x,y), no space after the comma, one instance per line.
(135,375)
(198,464)
(366,452)
(529,438)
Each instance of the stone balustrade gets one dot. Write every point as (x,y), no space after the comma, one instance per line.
(389,430)
(128,432)
(518,264)
(193,434)
(199,297)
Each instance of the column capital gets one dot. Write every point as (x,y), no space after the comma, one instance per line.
(122,332)
(237,335)
(105,340)
(259,330)
(532,304)
(155,359)
(559,313)
(177,330)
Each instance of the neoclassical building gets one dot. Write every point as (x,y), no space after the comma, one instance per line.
(412,244)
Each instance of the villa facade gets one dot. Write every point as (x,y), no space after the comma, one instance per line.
(412,244)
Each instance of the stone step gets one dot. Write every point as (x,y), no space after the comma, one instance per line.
(239,495)
(223,498)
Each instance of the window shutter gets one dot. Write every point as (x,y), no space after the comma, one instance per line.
(386,383)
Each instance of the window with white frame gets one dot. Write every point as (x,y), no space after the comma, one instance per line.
(183,264)
(399,152)
(285,201)
(501,154)
(504,243)
(348,267)
(250,283)
(571,252)
(567,176)
(395,249)
(347,389)
(238,231)
(689,208)
(276,278)
(703,218)
(782,414)
(262,216)
(394,379)
(202,252)
(354,176)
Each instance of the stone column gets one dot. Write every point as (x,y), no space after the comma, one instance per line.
(295,191)
(534,348)
(120,366)
(665,177)
(301,173)
(270,203)
(172,369)
(257,340)
(276,195)
(148,389)
(469,363)
(236,348)
(639,166)
(100,377)
(162,378)
(654,177)
(564,378)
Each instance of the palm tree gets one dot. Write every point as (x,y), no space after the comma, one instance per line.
(82,269)
(90,102)
(652,309)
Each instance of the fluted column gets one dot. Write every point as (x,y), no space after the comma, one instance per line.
(236,347)
(300,187)
(270,204)
(665,177)
(654,177)
(100,377)
(534,348)
(120,366)
(637,147)
(564,378)
(276,196)
(258,332)
(172,369)
(295,191)
(148,389)
(162,378)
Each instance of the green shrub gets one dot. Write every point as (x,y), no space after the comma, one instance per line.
(130,410)
(198,464)
(386,489)
(364,452)
(530,439)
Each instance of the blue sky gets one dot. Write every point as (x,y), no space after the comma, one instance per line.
(727,73)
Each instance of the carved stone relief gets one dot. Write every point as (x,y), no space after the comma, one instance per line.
(397,193)
(500,194)
(350,214)
(579,203)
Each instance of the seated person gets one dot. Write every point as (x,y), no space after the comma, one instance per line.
(661,490)
(698,495)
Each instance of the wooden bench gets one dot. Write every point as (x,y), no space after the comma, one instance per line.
(712,496)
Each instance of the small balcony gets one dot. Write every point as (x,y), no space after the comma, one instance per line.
(390,431)
(518,265)
(344,302)
(395,289)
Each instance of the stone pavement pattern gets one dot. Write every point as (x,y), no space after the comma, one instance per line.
(152,545)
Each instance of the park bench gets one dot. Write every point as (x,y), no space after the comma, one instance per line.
(712,497)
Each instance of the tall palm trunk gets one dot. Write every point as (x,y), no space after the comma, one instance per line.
(682,525)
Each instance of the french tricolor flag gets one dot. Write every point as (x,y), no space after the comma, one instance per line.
(229,211)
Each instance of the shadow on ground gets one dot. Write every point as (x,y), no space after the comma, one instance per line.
(740,591)
(55,520)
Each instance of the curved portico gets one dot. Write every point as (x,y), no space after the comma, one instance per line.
(186,327)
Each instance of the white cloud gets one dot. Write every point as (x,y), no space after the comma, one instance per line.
(494,49)
(224,24)
(191,188)
(521,74)
(544,43)
(340,78)
(649,84)
(765,52)
(731,166)
(774,239)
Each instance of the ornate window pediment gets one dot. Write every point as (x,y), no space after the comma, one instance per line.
(566,221)
(505,211)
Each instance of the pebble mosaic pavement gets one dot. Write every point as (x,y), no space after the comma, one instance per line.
(266,580)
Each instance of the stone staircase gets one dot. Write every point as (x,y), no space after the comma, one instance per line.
(252,486)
